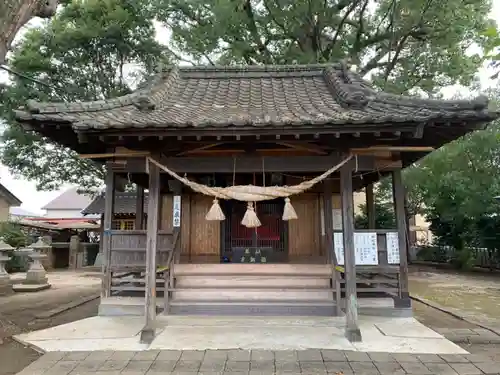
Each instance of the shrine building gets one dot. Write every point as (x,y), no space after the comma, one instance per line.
(250,174)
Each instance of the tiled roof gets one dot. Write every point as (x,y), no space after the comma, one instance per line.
(124,204)
(258,96)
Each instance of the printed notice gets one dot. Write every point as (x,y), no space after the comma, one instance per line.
(365,248)
(392,247)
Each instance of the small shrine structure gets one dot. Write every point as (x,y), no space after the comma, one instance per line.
(250,173)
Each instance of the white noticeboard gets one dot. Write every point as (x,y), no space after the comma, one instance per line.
(176,211)
(338,245)
(365,248)
(392,247)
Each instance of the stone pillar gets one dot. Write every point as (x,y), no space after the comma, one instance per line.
(49,262)
(5,283)
(74,247)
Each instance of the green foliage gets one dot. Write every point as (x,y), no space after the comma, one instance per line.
(492,48)
(385,217)
(92,50)
(458,184)
(403,44)
(13,234)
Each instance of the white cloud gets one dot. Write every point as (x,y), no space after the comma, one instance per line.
(33,200)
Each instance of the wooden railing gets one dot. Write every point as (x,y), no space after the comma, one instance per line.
(128,249)
(382,277)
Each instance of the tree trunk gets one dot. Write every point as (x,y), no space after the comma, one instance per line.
(14,14)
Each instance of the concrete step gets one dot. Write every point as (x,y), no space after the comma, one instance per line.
(222,281)
(236,269)
(253,308)
(126,306)
(251,294)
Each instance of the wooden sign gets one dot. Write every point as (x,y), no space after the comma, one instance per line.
(176,211)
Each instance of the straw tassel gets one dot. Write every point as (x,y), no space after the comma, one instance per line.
(250,220)
(215,213)
(289,212)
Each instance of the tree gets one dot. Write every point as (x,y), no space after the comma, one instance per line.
(385,217)
(402,45)
(458,184)
(92,50)
(14,14)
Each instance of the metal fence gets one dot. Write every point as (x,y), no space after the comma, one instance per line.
(481,257)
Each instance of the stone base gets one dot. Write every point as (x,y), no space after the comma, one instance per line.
(41,281)
(20,288)
(353,334)
(403,302)
(147,335)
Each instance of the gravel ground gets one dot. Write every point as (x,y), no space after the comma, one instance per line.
(475,295)
(19,314)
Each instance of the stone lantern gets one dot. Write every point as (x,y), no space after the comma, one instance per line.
(5,284)
(36,273)
(36,277)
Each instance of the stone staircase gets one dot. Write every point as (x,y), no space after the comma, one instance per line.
(246,289)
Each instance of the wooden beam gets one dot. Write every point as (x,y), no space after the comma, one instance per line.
(108,155)
(353,332)
(106,246)
(403,300)
(304,146)
(212,152)
(393,148)
(198,149)
(370,207)
(388,164)
(250,164)
(253,131)
(148,332)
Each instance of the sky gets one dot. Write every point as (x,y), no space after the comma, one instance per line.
(34,200)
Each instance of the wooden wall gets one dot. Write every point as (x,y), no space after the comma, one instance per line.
(304,235)
(199,237)
(205,235)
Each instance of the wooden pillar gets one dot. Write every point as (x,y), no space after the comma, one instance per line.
(148,332)
(109,200)
(329,250)
(139,208)
(352,333)
(398,192)
(370,207)
(101,235)
(176,187)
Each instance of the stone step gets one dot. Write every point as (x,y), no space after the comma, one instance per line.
(223,281)
(253,308)
(253,269)
(251,294)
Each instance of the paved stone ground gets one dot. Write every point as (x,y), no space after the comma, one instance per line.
(256,362)
(469,335)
